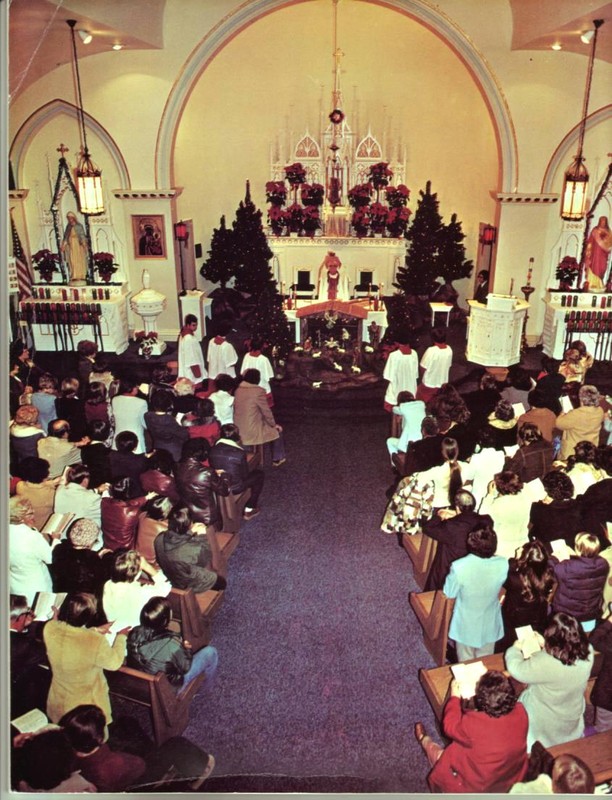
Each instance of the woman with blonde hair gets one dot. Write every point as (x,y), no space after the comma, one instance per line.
(123,595)
(24,432)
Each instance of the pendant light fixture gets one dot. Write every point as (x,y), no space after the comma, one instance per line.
(88,175)
(576,183)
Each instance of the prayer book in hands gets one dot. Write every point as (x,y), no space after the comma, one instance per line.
(528,641)
(468,675)
(57,523)
(45,602)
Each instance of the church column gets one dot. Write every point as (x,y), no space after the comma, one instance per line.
(528,227)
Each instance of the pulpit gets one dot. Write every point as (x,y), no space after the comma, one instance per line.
(495,330)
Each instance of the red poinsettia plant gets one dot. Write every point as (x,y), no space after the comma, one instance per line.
(397,195)
(397,221)
(380,174)
(105,264)
(294,216)
(361,221)
(276,192)
(312,194)
(46,263)
(143,336)
(311,219)
(360,195)
(567,270)
(276,218)
(378,217)
(295,174)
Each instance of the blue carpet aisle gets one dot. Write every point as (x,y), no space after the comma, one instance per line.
(319,650)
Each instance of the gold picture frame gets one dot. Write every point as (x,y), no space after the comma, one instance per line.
(149,235)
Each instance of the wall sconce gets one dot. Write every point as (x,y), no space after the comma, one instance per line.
(576,182)
(88,175)
(86,36)
(488,235)
(181,234)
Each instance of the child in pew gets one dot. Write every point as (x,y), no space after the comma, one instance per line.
(569,775)
(153,648)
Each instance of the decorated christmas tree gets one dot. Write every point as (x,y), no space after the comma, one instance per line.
(452,264)
(220,267)
(422,269)
(251,250)
(269,323)
(400,319)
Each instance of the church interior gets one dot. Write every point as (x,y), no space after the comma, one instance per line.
(356,199)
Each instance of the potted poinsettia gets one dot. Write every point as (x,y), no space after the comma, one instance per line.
(397,195)
(311,219)
(295,174)
(276,193)
(312,194)
(567,270)
(277,219)
(397,221)
(46,263)
(105,265)
(378,217)
(294,217)
(360,195)
(361,221)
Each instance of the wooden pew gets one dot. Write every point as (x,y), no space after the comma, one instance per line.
(421,549)
(434,611)
(232,509)
(169,711)
(436,681)
(595,751)
(195,613)
(222,545)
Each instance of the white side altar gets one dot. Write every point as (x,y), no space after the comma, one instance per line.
(495,331)
(61,316)
(584,313)
(381,257)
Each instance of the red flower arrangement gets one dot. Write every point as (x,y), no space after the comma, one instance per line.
(312,194)
(294,216)
(105,264)
(361,221)
(276,192)
(567,270)
(46,263)
(276,218)
(397,221)
(378,216)
(295,174)
(397,195)
(143,336)
(360,195)
(311,219)
(380,174)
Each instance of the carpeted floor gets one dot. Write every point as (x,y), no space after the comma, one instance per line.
(318,648)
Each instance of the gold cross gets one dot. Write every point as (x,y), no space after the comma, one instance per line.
(62,149)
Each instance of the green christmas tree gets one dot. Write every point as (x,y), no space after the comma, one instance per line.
(452,264)
(399,319)
(251,250)
(421,270)
(220,266)
(269,323)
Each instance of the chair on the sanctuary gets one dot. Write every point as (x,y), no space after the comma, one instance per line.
(366,284)
(303,286)
(434,611)
(169,710)
(421,549)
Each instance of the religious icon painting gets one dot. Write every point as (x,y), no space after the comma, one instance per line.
(149,237)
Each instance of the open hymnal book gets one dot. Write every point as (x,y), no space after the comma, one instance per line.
(528,640)
(519,409)
(45,601)
(561,549)
(30,722)
(57,523)
(468,676)
(566,403)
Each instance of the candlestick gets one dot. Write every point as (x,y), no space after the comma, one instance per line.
(511,286)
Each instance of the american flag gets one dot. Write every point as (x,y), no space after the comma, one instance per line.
(24,275)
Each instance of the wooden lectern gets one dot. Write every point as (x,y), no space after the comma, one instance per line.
(495,329)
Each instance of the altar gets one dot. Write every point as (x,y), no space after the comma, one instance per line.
(61,316)
(364,261)
(578,315)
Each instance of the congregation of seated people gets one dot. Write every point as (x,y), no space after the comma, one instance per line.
(115,504)
(513,484)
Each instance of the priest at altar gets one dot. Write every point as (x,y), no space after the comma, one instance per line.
(332,283)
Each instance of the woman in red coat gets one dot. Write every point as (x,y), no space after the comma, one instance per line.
(488,751)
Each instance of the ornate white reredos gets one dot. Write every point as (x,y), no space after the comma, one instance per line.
(354,155)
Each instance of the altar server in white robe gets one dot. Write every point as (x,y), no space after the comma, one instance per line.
(401,370)
(222,356)
(190,357)
(255,359)
(436,364)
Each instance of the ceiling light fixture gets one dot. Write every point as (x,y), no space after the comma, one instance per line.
(556,46)
(117,46)
(586,37)
(86,36)
(89,180)
(576,182)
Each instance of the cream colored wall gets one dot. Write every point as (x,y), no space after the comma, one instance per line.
(408,80)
